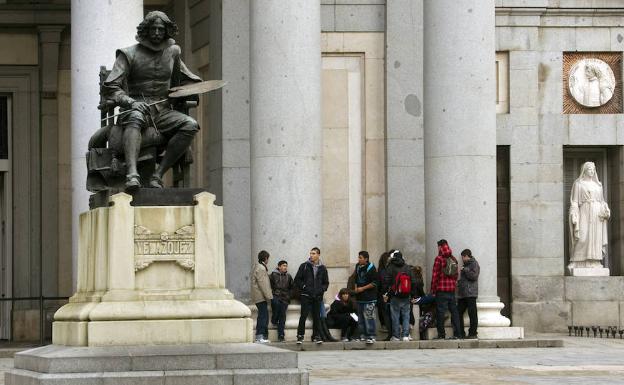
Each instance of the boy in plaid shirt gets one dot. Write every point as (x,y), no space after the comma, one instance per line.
(443,287)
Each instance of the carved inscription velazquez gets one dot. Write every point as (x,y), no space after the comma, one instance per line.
(152,247)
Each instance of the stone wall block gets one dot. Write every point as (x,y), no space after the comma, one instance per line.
(547,316)
(586,129)
(599,313)
(594,288)
(537,266)
(516,38)
(360,18)
(557,39)
(593,39)
(553,128)
(537,289)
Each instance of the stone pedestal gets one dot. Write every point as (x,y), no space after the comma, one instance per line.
(150,275)
(589,272)
(157,365)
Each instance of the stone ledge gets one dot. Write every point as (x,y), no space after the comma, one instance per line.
(158,365)
(61,359)
(424,344)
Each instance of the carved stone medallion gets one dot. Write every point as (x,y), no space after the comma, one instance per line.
(591,82)
(178,247)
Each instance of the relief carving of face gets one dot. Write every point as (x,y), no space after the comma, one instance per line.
(591,82)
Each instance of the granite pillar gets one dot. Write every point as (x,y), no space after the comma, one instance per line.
(98,29)
(285,89)
(460,138)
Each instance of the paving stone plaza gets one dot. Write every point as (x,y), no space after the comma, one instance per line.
(581,361)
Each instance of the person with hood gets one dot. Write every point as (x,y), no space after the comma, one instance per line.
(281,285)
(467,293)
(366,295)
(312,281)
(260,295)
(443,285)
(401,284)
(341,313)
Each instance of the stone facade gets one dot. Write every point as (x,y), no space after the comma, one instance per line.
(369,152)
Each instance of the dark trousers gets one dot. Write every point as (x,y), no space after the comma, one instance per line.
(469,303)
(346,324)
(262,325)
(278,315)
(309,304)
(445,300)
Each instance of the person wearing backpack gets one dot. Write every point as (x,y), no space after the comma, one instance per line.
(366,295)
(443,285)
(467,293)
(402,287)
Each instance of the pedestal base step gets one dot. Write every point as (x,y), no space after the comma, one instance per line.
(424,344)
(485,333)
(227,363)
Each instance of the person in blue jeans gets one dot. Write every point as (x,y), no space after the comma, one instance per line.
(281,285)
(261,295)
(402,284)
(366,284)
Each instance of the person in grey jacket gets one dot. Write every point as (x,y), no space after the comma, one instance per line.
(467,293)
(261,295)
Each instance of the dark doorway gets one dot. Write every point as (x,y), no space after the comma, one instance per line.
(503,261)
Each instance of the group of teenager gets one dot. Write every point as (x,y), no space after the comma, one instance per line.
(388,290)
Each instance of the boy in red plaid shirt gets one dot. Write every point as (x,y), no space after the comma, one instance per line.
(443,287)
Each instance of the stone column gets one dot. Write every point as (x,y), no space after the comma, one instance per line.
(460,138)
(285,90)
(98,29)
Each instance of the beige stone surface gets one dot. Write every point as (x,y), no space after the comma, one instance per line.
(169,332)
(27,54)
(130,278)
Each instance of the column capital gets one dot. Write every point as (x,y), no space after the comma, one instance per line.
(50,33)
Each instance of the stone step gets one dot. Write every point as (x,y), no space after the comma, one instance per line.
(62,359)
(288,376)
(423,344)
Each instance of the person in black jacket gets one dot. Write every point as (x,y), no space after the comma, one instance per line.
(281,284)
(340,315)
(312,282)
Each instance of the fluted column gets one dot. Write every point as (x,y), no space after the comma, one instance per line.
(285,67)
(460,137)
(98,29)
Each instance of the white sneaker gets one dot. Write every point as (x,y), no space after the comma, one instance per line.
(262,341)
(394,339)
(410,337)
(370,341)
(344,340)
(406,339)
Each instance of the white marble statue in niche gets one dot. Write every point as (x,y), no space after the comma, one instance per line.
(589,214)
(591,82)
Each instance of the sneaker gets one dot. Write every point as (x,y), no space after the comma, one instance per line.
(471,337)
(262,341)
(318,340)
(453,338)
(409,337)
(395,339)
(281,339)
(406,339)
(370,341)
(344,340)
(440,338)
(299,340)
